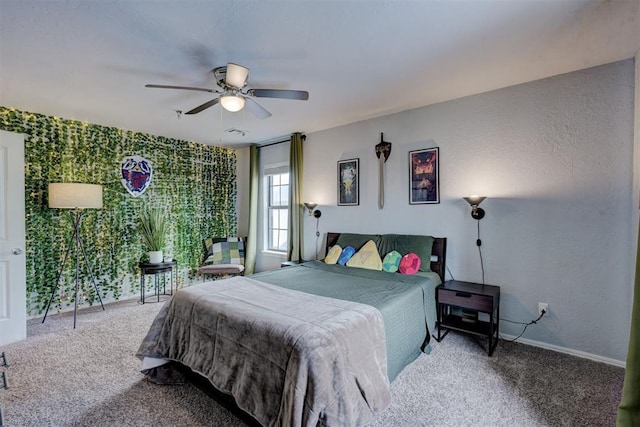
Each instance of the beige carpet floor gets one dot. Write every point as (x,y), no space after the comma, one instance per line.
(90,377)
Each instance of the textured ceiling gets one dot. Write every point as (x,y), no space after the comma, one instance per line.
(90,60)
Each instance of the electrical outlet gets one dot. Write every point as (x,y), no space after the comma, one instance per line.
(543,306)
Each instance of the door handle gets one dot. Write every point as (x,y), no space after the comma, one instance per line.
(16,251)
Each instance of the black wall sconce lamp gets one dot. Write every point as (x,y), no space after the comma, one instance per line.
(477,213)
(474,201)
(312,209)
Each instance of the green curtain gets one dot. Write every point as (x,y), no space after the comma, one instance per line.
(295,241)
(254,187)
(629,408)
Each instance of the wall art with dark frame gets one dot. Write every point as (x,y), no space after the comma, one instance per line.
(348,182)
(424,178)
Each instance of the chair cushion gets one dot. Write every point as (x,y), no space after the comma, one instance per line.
(224,250)
(221,269)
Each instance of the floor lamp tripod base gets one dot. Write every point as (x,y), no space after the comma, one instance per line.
(75,241)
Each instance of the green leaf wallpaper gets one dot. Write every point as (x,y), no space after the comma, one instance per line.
(195,184)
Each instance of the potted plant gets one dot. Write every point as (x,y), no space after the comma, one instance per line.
(153,227)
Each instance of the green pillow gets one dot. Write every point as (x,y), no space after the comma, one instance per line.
(404,243)
(356,241)
(391,262)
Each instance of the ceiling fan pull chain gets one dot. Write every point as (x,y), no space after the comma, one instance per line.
(221,126)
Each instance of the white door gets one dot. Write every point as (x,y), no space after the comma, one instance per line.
(13,285)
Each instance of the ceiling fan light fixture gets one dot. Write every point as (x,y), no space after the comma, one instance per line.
(231,80)
(232,102)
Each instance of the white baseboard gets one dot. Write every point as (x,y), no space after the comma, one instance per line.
(572,352)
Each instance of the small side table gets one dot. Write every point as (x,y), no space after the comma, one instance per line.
(474,298)
(163,268)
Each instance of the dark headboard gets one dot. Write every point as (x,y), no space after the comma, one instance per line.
(439,250)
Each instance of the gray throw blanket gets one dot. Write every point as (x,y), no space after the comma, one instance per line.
(287,357)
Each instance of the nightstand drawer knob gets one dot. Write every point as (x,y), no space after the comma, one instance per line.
(463,294)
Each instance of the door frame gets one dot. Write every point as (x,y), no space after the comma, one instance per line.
(13,290)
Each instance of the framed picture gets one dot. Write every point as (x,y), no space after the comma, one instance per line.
(424,180)
(348,182)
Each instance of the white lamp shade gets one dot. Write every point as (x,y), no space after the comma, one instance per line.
(475,200)
(232,103)
(75,196)
(236,75)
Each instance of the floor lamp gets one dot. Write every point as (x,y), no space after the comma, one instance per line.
(75,197)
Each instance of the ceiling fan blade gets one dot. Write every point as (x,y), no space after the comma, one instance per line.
(256,109)
(301,95)
(236,75)
(201,89)
(203,106)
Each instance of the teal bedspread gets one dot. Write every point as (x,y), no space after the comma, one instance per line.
(407,303)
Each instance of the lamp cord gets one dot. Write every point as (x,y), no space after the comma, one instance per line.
(317,236)
(479,243)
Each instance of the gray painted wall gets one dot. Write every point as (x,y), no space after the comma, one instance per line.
(555,159)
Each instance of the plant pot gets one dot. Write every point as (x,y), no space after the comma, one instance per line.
(155,257)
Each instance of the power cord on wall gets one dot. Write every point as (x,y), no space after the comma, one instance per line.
(450,274)
(478,244)
(526,325)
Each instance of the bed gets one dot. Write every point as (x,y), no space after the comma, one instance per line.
(313,344)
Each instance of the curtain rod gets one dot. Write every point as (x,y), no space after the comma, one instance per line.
(304,137)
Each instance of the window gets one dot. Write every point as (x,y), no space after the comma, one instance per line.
(277,208)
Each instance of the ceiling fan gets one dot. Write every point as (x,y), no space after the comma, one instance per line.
(232,79)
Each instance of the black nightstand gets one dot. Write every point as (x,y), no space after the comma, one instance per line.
(471,298)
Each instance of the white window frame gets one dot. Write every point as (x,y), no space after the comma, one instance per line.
(269,172)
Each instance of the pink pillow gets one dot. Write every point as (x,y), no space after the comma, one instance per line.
(409,264)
